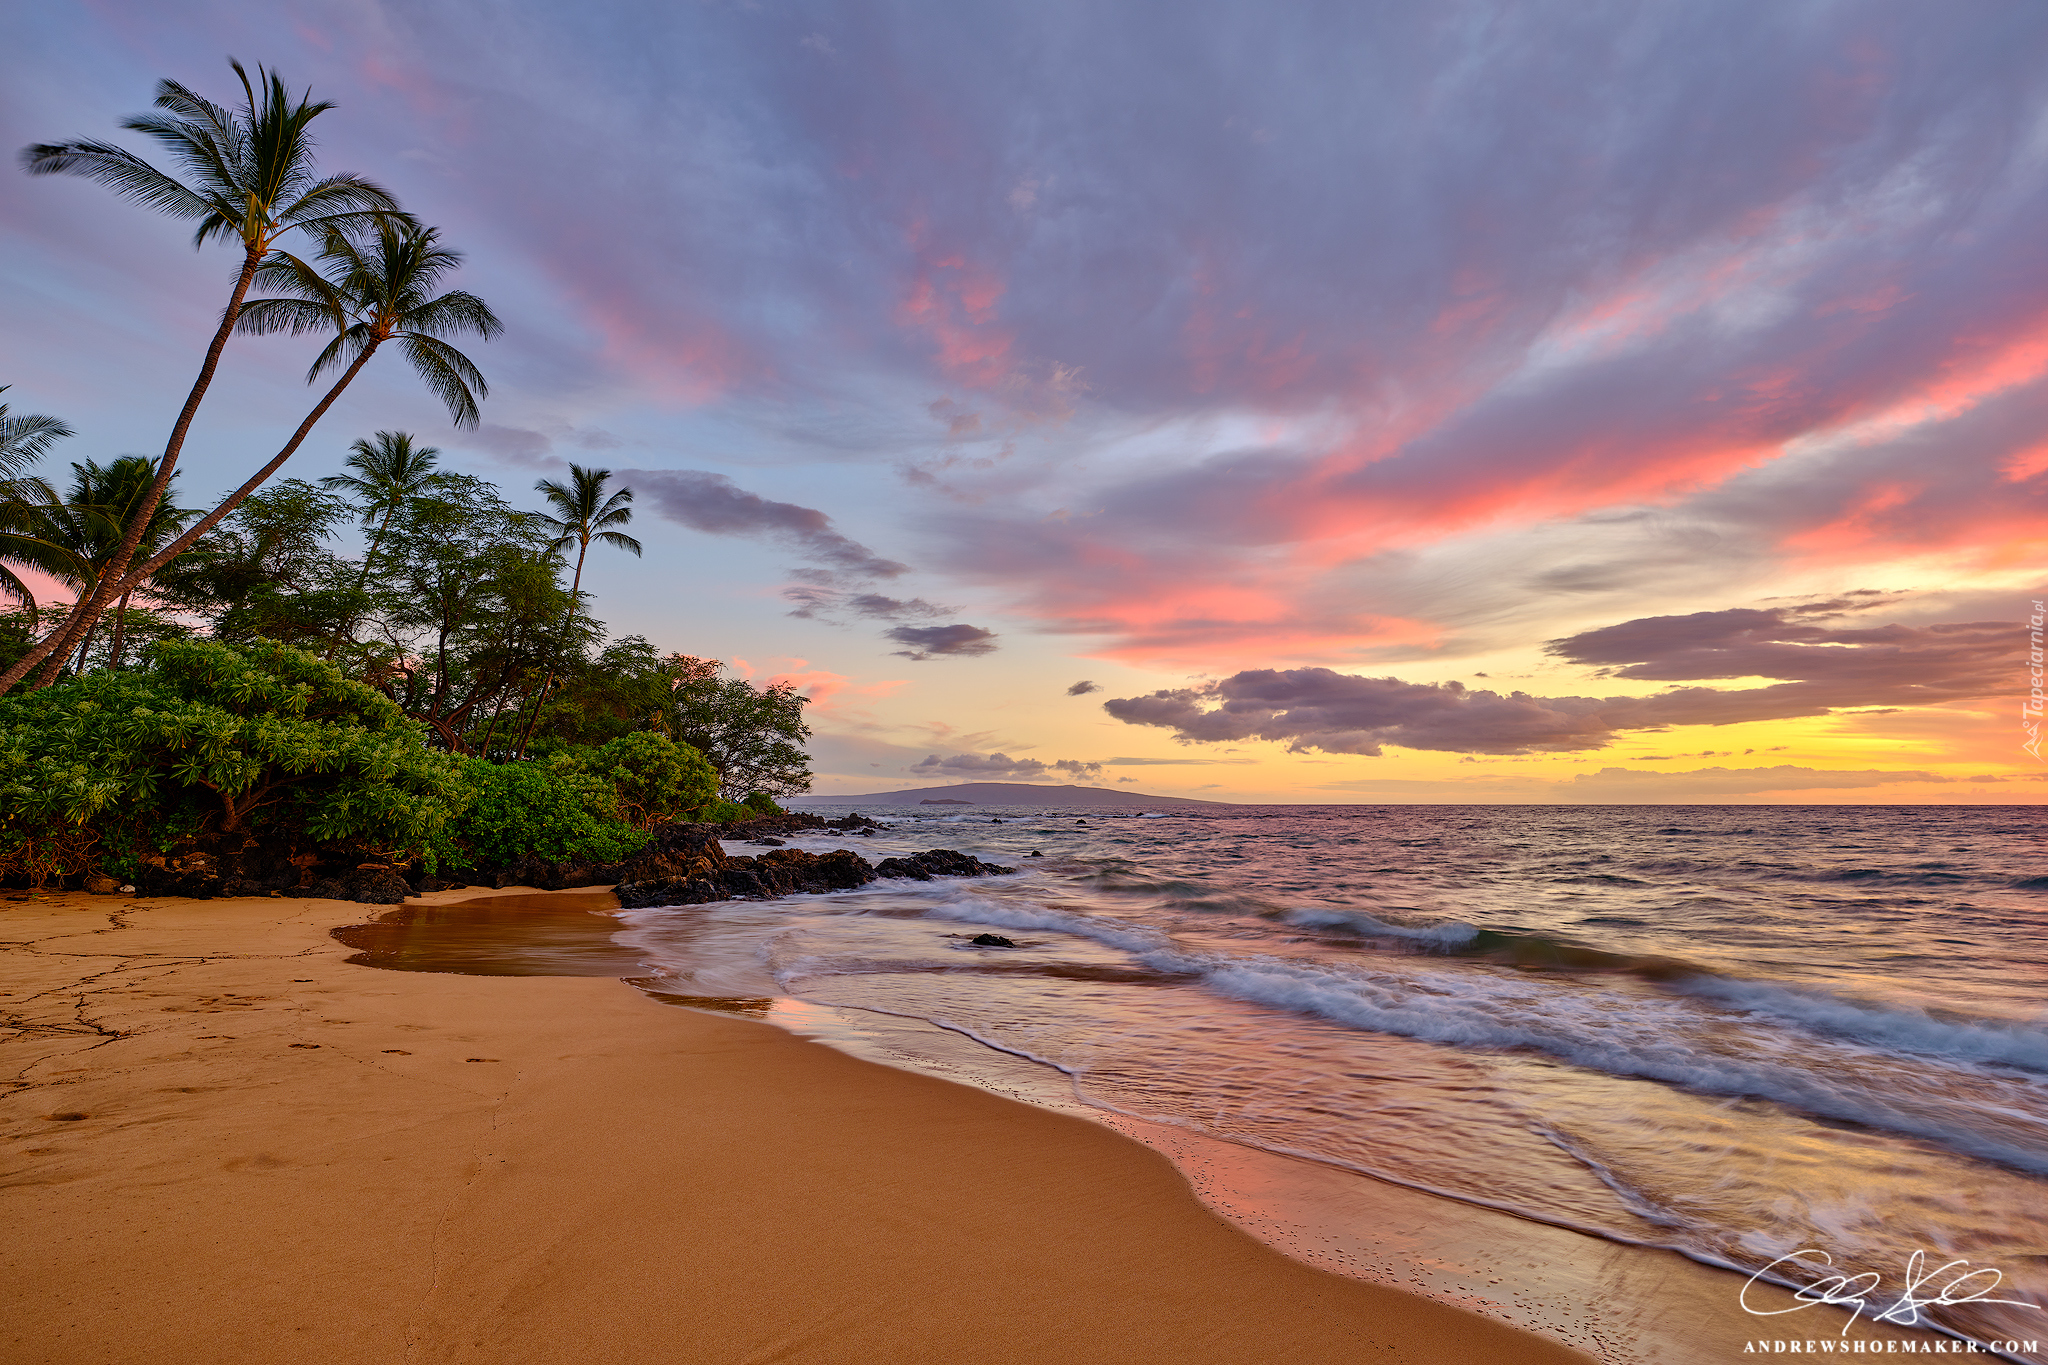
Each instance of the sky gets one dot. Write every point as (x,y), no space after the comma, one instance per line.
(1313,402)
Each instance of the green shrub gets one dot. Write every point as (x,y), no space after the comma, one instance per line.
(761,803)
(725,812)
(654,777)
(552,809)
(101,770)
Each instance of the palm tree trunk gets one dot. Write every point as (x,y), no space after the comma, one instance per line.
(254,482)
(88,607)
(575,588)
(375,541)
(364,576)
(120,632)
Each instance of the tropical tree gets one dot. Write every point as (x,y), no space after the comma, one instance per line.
(95,520)
(248,179)
(24,439)
(584,513)
(753,736)
(468,598)
(390,471)
(371,292)
(266,570)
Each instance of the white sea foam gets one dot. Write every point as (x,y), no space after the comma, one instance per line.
(1450,935)
(1993,1118)
(1895,1030)
(972,909)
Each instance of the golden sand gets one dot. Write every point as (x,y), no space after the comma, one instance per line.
(225,1144)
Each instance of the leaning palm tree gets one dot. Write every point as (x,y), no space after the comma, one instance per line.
(24,439)
(371,292)
(586,514)
(390,471)
(248,178)
(92,523)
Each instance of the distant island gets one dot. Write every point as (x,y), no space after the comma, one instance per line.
(1003,794)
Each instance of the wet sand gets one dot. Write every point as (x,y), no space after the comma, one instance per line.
(223,1142)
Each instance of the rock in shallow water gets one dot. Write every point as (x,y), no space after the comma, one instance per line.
(687,866)
(938,862)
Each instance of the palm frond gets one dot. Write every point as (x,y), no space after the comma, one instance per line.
(13,587)
(347,202)
(341,351)
(449,375)
(455,314)
(26,439)
(119,170)
(263,317)
(619,541)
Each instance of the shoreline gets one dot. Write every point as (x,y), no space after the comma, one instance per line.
(278,1155)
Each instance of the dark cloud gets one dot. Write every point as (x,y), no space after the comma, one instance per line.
(993,766)
(928,642)
(1083,688)
(1826,663)
(819,602)
(713,503)
(1830,667)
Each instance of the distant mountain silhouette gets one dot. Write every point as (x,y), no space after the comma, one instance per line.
(1006,794)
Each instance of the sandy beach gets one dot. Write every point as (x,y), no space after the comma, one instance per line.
(224,1143)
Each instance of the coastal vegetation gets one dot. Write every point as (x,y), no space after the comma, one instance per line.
(384,664)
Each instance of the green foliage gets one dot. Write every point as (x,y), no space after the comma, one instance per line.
(655,778)
(760,803)
(725,812)
(553,810)
(113,765)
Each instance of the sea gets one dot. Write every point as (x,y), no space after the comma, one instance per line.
(1806,1041)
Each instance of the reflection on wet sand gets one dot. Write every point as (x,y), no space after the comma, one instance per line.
(542,933)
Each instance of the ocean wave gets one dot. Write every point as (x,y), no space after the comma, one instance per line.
(1825,1068)
(1449,935)
(1894,1030)
(1986,1119)
(972,909)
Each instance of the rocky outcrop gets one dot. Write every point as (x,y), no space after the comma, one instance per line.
(686,866)
(937,862)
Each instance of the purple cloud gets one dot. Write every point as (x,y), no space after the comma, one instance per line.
(1830,668)
(713,503)
(989,767)
(930,642)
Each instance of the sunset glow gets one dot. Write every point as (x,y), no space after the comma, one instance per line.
(1635,405)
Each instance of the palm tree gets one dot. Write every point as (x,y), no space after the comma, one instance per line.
(372,292)
(249,178)
(586,514)
(24,440)
(390,471)
(93,522)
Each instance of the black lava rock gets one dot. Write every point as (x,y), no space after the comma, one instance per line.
(938,862)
